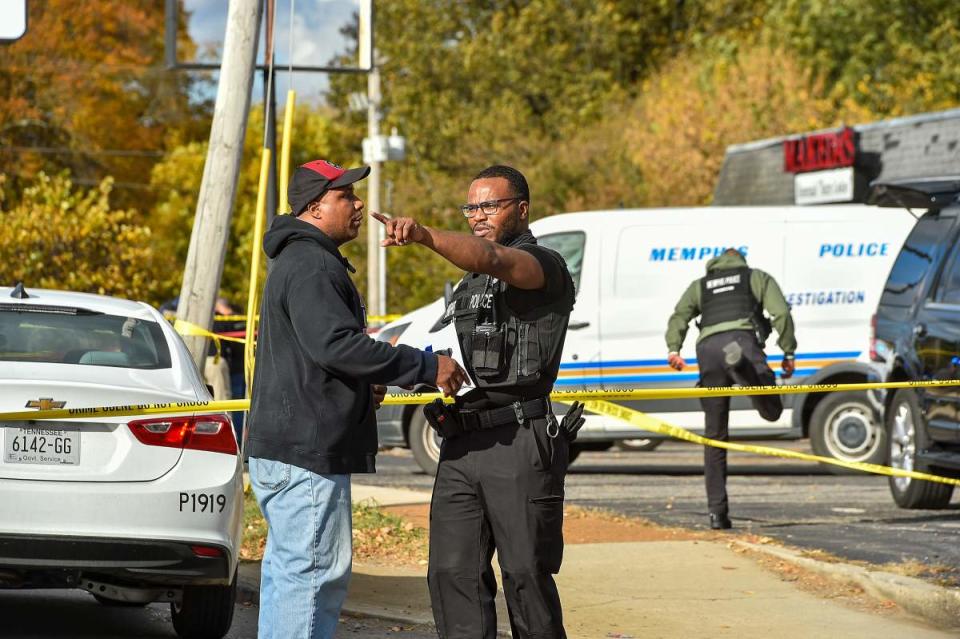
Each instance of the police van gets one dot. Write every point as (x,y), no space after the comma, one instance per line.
(631,266)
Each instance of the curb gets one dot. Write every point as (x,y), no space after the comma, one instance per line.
(248,592)
(936,605)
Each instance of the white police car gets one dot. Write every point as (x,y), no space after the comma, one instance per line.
(132,509)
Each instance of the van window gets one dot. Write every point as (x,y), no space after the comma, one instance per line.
(570,247)
(948,290)
(918,255)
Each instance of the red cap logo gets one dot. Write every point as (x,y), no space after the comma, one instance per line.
(328,170)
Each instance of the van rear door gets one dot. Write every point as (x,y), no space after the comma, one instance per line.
(581,349)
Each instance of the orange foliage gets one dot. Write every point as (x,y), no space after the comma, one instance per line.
(86,89)
(689,113)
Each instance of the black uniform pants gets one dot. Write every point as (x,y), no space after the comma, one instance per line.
(714,371)
(500,489)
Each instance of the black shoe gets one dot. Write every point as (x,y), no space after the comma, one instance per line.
(719,521)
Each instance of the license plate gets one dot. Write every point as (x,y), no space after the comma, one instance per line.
(57,446)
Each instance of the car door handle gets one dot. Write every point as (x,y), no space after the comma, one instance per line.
(919,330)
(576,326)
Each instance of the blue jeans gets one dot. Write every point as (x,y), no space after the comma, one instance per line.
(307,561)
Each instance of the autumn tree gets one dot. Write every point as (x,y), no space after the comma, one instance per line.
(86,90)
(893,58)
(61,236)
(678,130)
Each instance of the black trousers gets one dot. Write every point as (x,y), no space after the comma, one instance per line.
(500,489)
(714,371)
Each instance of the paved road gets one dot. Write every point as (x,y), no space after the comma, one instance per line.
(853,517)
(44,614)
(801,504)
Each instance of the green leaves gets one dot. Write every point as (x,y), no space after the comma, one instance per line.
(61,237)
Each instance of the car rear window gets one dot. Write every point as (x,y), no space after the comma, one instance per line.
(59,335)
(919,253)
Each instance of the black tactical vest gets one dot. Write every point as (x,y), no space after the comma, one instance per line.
(725,296)
(503,350)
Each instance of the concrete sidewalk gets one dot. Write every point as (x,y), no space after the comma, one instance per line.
(660,589)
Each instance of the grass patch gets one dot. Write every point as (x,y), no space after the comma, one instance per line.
(254,529)
(377,535)
(381,535)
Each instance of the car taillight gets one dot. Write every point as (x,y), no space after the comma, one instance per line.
(874,356)
(212,433)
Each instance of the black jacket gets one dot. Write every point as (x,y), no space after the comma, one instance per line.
(311,404)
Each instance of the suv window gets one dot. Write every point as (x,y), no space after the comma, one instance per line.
(570,247)
(59,335)
(948,290)
(918,254)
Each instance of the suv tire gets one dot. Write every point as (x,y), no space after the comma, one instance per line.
(845,426)
(639,444)
(205,612)
(424,442)
(906,434)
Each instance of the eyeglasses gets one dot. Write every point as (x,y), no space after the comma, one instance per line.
(490,207)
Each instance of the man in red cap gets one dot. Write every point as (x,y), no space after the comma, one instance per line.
(319,378)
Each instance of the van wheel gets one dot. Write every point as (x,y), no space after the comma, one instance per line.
(845,426)
(424,442)
(205,612)
(907,435)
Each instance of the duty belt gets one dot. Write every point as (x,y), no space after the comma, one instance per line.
(516,413)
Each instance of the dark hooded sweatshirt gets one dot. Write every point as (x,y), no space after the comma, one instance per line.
(311,404)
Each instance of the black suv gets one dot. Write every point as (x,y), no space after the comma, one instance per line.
(917,337)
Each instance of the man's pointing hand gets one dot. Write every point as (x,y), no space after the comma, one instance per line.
(400,231)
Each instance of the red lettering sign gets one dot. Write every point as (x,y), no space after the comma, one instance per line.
(818,152)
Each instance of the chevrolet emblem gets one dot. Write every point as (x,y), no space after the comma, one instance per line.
(45,403)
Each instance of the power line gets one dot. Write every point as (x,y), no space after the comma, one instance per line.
(63,150)
(82,181)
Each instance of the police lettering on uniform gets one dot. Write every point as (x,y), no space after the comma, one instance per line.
(503,459)
(730,300)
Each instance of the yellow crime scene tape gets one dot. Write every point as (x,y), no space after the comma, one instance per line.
(370,318)
(187,328)
(654,425)
(598,402)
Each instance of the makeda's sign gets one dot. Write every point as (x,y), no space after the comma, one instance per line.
(823,166)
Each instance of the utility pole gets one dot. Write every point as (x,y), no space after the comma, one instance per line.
(270,113)
(211,226)
(373,193)
(382,252)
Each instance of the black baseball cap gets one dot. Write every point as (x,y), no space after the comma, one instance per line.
(313,179)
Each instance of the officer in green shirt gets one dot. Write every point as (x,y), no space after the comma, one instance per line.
(730,300)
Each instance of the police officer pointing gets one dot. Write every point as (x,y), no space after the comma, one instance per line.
(730,301)
(504,457)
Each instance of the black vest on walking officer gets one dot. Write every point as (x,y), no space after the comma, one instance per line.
(725,296)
